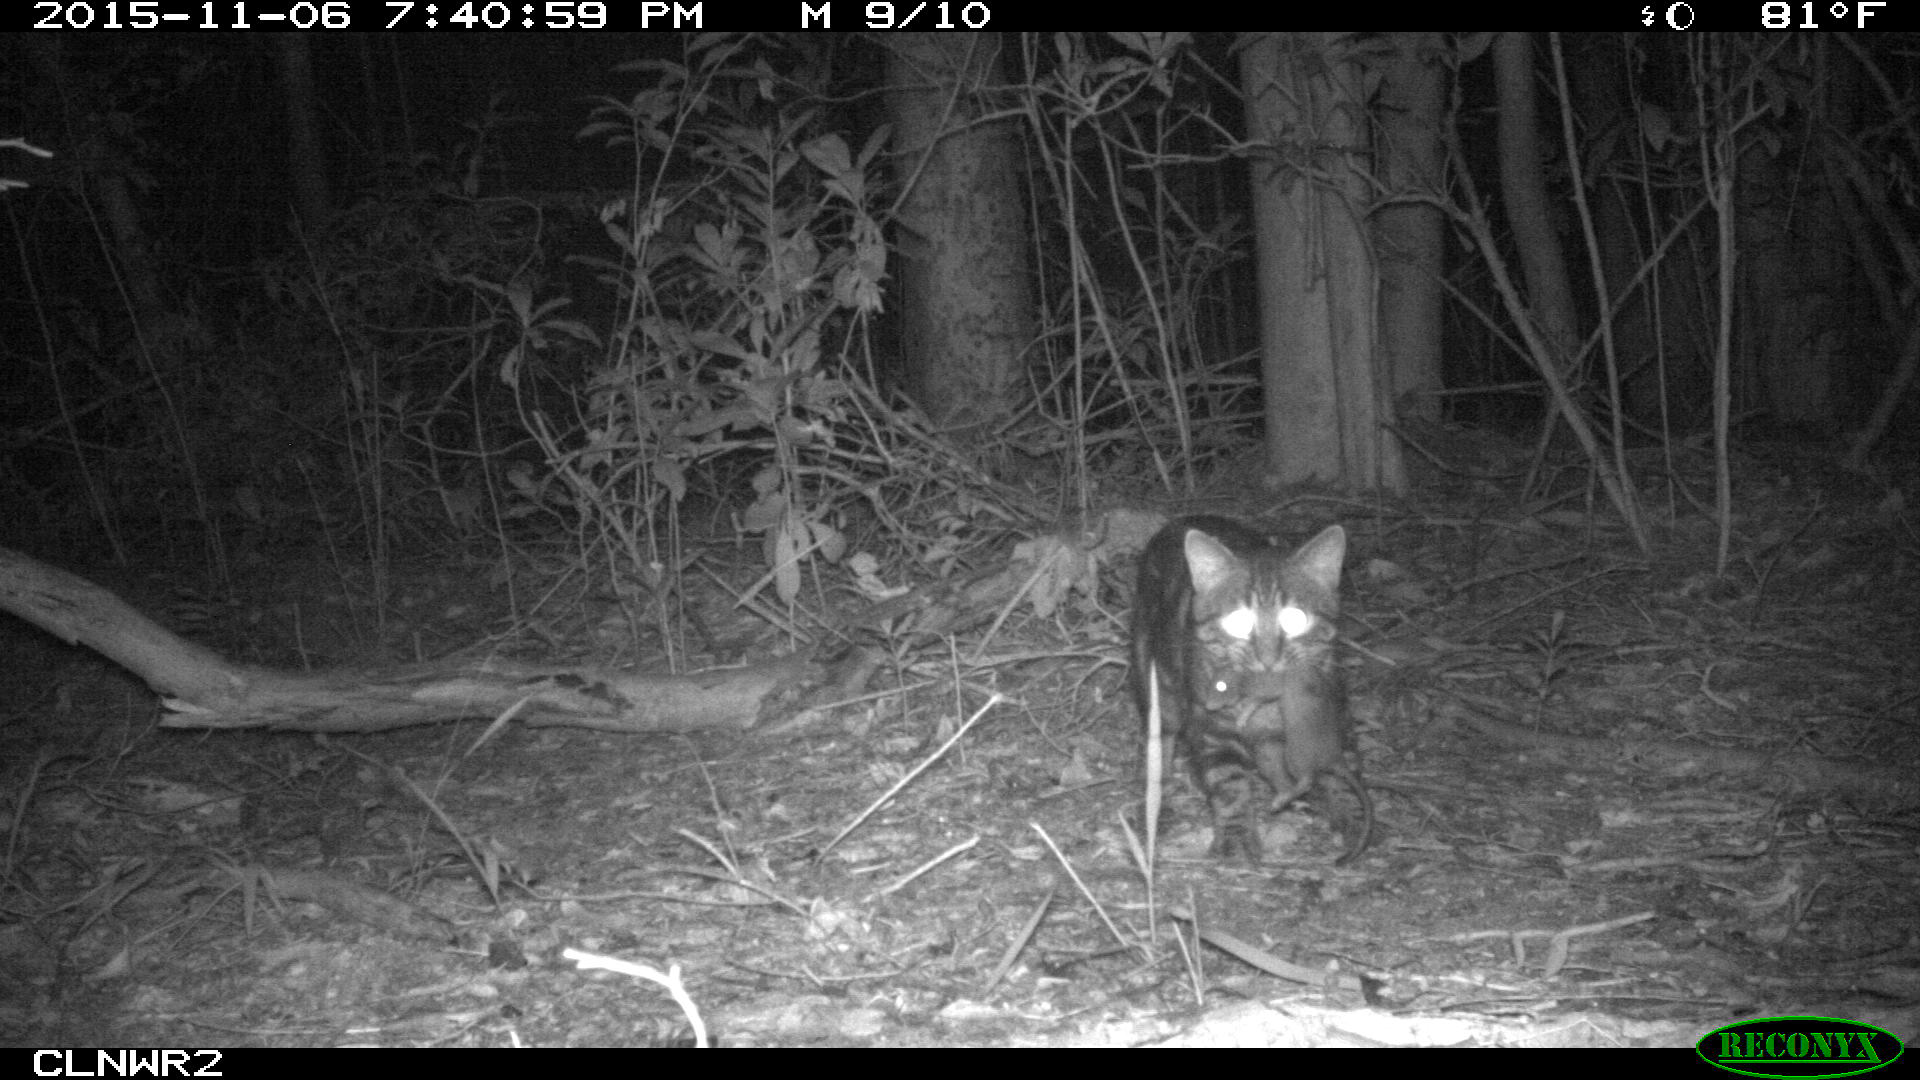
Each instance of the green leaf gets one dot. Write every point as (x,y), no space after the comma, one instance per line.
(828,541)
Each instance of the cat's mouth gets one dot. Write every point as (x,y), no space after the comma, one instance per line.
(1260,714)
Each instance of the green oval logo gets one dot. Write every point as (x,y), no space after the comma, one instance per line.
(1799,1047)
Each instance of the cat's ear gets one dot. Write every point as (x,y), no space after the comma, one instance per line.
(1320,557)
(1209,561)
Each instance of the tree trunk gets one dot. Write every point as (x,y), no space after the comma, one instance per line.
(306,154)
(1411,236)
(966,295)
(1325,404)
(1797,278)
(1523,190)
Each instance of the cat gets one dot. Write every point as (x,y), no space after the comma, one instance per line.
(1242,636)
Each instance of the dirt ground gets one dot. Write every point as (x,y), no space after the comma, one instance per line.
(1622,801)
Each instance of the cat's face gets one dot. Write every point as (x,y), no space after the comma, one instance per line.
(1260,618)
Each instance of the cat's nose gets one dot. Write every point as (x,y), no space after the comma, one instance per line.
(1264,684)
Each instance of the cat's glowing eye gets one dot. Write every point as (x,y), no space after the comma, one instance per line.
(1294,621)
(1238,623)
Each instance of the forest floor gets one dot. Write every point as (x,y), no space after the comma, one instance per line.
(1623,800)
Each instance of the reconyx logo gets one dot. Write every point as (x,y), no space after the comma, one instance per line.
(1800,1047)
